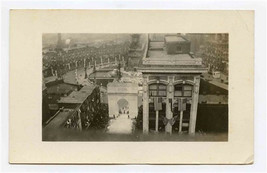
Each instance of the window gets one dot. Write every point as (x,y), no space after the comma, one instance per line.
(179,49)
(183,90)
(157,90)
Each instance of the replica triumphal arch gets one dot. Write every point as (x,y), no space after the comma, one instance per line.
(122,95)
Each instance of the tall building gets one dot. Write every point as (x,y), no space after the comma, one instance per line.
(59,42)
(171,80)
(197,40)
(135,53)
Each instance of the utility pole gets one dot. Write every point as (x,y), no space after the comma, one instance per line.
(85,72)
(181,108)
(94,71)
(119,70)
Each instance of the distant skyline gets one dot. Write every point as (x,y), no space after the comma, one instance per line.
(51,38)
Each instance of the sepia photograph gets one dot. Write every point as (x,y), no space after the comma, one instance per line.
(135,87)
(131,87)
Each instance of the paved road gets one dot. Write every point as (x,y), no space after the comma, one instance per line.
(121,125)
(70,77)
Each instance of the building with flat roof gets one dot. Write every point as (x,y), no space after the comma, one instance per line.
(53,90)
(102,76)
(171,80)
(77,97)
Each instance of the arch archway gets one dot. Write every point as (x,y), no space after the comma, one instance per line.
(123,106)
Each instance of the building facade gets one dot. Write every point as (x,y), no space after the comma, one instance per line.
(85,102)
(135,52)
(53,90)
(171,80)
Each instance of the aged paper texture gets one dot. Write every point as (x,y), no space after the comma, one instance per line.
(25,119)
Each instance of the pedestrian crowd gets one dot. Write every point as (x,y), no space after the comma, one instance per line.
(60,62)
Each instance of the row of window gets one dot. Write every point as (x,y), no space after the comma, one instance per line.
(160,90)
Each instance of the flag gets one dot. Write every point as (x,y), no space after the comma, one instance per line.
(170,101)
(158,103)
(182,104)
(155,103)
(179,104)
(165,121)
(171,121)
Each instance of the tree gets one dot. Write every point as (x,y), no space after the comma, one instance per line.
(100,115)
(119,71)
(139,119)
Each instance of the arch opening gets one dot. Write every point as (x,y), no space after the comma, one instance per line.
(123,106)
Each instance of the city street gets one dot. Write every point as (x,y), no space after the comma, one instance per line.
(70,77)
(121,125)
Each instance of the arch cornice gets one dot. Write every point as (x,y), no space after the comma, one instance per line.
(183,82)
(157,81)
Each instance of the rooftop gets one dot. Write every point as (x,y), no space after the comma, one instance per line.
(157,59)
(78,96)
(43,86)
(62,88)
(50,79)
(160,57)
(155,45)
(174,39)
(60,118)
(219,84)
(215,99)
